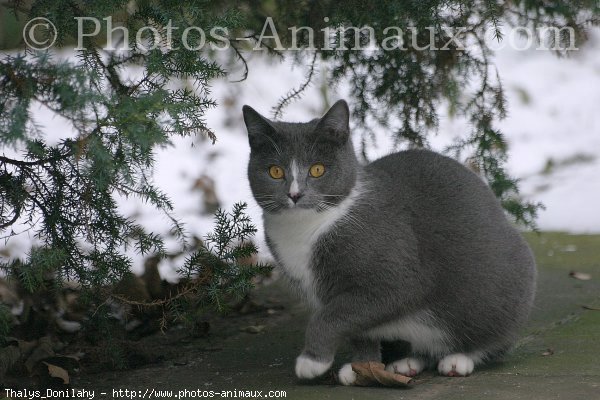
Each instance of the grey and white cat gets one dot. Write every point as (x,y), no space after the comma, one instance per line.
(410,249)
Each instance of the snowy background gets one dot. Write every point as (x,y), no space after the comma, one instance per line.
(553,131)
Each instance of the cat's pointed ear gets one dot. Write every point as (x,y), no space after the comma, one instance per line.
(257,126)
(335,124)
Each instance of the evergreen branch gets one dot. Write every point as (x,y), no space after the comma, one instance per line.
(188,289)
(21,163)
(296,93)
(17,214)
(112,74)
(12,233)
(270,49)
(241,57)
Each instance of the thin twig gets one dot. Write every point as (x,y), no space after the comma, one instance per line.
(295,94)
(244,62)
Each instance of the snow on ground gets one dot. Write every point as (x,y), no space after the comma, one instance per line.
(553,126)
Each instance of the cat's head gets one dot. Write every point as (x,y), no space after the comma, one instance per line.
(308,165)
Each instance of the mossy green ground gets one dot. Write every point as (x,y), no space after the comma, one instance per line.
(558,356)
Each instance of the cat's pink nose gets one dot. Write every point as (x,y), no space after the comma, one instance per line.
(295,196)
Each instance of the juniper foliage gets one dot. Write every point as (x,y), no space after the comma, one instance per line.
(221,271)
(65,193)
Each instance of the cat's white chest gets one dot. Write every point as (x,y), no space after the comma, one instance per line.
(293,234)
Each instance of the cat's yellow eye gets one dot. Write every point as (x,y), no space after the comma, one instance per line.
(276,172)
(316,170)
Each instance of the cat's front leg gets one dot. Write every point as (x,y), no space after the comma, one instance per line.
(327,328)
(310,366)
(363,349)
(321,341)
(319,349)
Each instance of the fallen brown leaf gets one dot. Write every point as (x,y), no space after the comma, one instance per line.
(57,372)
(68,326)
(372,373)
(582,276)
(591,307)
(548,352)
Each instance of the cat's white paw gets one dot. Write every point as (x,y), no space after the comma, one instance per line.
(346,375)
(456,365)
(309,368)
(406,366)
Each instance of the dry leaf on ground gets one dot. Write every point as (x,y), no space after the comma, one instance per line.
(548,352)
(593,308)
(373,374)
(582,276)
(57,372)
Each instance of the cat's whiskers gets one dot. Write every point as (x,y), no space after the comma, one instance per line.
(322,206)
(266,201)
(269,205)
(330,203)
